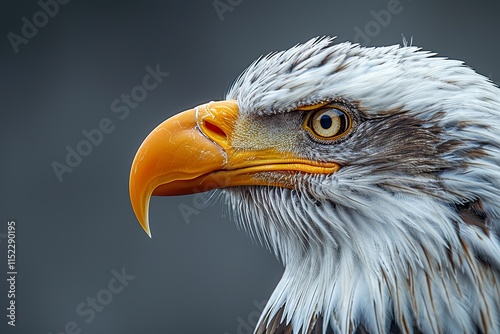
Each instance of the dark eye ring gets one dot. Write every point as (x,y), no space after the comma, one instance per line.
(328,123)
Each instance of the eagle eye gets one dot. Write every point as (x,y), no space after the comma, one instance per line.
(328,123)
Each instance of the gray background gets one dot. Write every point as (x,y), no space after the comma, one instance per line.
(201,277)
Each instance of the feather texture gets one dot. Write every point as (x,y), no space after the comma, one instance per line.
(404,238)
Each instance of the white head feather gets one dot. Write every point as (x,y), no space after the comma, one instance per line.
(384,241)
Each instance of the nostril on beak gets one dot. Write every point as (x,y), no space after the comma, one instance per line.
(214,130)
(216,120)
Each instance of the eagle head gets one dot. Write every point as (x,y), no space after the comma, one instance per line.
(372,173)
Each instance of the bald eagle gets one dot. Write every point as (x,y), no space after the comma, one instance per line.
(372,173)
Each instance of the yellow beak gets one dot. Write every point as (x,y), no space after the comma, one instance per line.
(191,152)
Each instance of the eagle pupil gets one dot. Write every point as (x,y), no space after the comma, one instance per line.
(326,121)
